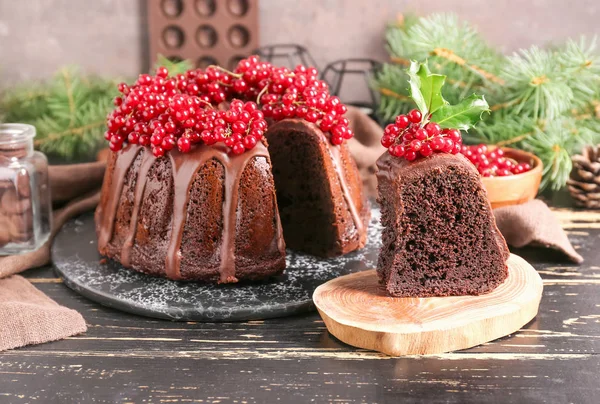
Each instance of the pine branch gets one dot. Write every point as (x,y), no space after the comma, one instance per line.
(541,100)
(69,111)
(581,63)
(536,84)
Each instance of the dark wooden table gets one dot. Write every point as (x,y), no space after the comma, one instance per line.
(126,358)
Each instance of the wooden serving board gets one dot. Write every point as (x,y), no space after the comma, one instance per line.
(358,311)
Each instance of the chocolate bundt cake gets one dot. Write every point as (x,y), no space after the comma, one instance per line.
(322,206)
(190,193)
(440,237)
(204,215)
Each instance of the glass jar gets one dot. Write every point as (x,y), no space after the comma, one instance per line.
(25,204)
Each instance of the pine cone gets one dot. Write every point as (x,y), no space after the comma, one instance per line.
(584,184)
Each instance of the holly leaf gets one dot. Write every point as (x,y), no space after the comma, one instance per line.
(463,115)
(426,88)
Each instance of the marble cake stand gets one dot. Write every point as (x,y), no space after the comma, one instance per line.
(77,261)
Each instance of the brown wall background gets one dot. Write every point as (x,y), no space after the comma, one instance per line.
(108,36)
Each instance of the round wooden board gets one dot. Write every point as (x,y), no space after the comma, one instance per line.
(358,311)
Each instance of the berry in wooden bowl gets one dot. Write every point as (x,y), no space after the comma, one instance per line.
(510,176)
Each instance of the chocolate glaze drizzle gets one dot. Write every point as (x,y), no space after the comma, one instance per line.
(140,187)
(124,160)
(336,157)
(185,167)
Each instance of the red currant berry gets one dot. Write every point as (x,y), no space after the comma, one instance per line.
(238,127)
(448,145)
(257,133)
(387,141)
(456,148)
(410,155)
(240,85)
(397,151)
(155,140)
(301,111)
(339,131)
(249,142)
(337,140)
(438,143)
(415,116)
(238,148)
(162,72)
(416,145)
(502,163)
(426,150)
(392,129)
(133,138)
(341,109)
(481,149)
(312,116)
(454,135)
(169,127)
(421,134)
(402,121)
(158,151)
(256,115)
(184,145)
(168,142)
(433,129)
(114,146)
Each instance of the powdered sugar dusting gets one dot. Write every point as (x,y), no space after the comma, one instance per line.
(78,262)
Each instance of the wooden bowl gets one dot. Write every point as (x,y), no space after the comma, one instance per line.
(515,189)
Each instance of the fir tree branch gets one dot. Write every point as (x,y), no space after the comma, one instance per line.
(514,140)
(68,111)
(453,57)
(78,131)
(542,100)
(69,89)
(391,93)
(400,61)
(502,105)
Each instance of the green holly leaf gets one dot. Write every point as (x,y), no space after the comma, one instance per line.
(426,88)
(463,115)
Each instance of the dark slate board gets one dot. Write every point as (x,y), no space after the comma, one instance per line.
(77,261)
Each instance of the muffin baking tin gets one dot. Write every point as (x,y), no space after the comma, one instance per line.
(203,31)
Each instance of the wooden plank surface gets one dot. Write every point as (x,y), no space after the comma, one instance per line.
(126,358)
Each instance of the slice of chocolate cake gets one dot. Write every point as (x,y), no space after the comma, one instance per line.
(322,206)
(440,237)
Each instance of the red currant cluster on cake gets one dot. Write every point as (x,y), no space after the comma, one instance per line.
(177,112)
(154,113)
(283,93)
(408,137)
(240,127)
(491,162)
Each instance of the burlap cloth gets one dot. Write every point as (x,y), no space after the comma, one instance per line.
(27,316)
(531,223)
